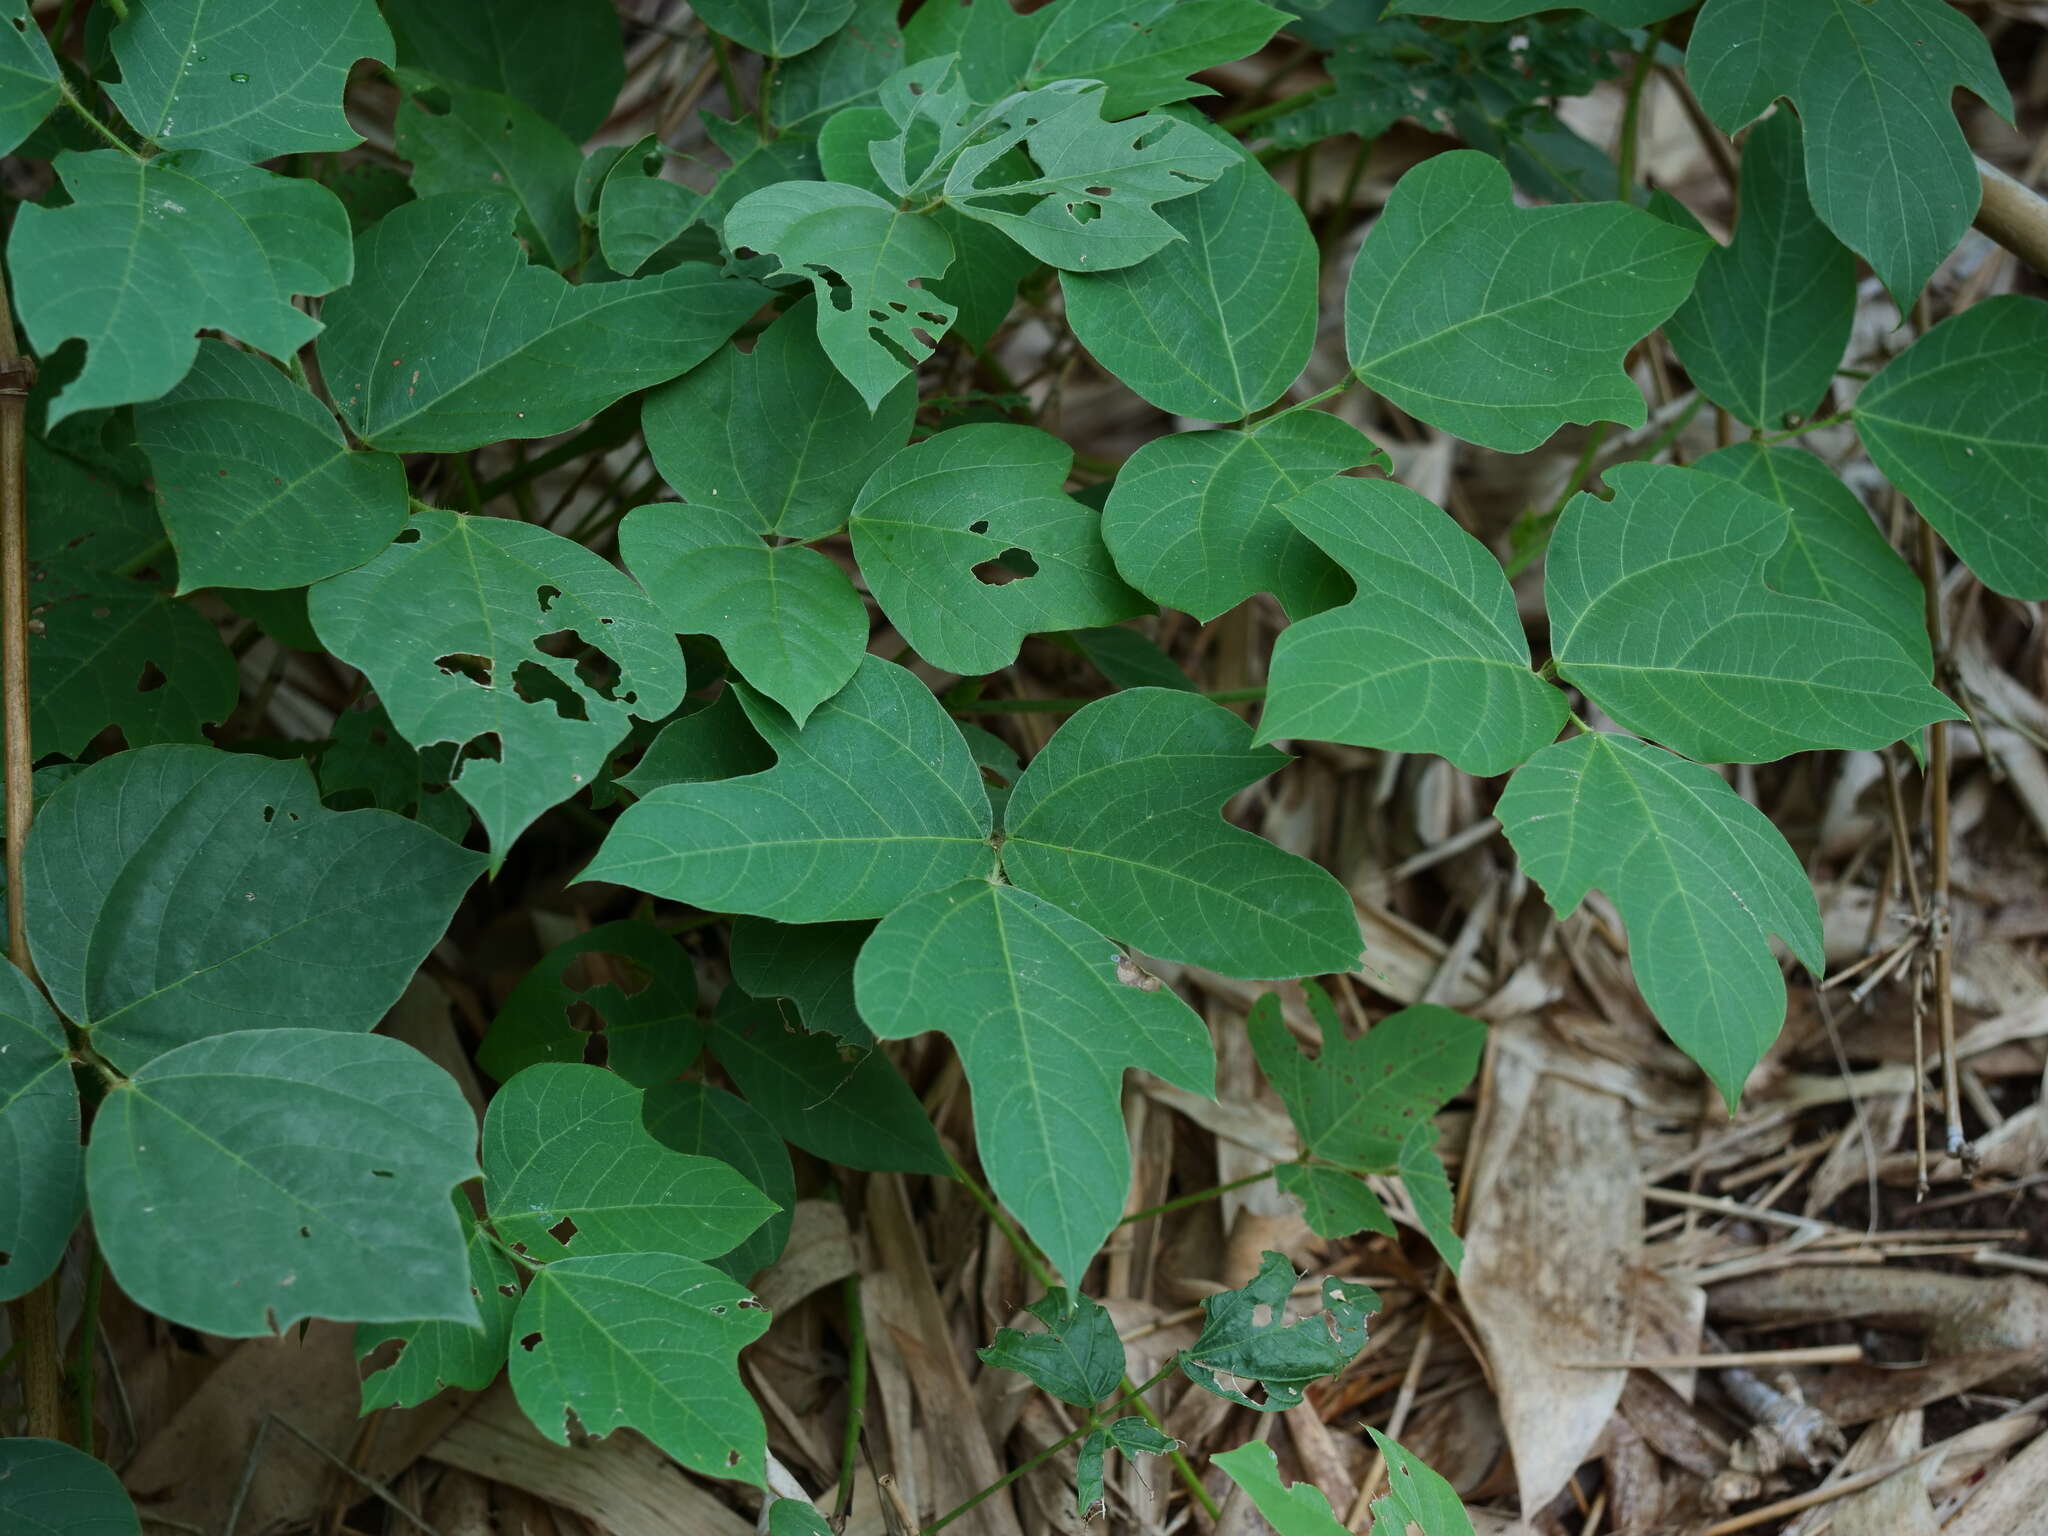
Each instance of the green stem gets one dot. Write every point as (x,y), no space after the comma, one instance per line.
(1026,1254)
(1068,706)
(82,1373)
(1200,1196)
(1274,109)
(727,78)
(1812,426)
(71,100)
(1631,115)
(856,1388)
(1315,399)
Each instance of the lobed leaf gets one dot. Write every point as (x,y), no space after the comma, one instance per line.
(1078,1358)
(1334,1202)
(434,1356)
(1274,1355)
(31,84)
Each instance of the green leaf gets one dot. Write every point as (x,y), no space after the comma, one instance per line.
(842,70)
(1295,1509)
(1622,13)
(993,42)
(180,892)
(561,57)
(1959,422)
(30,82)
(793,1517)
(435,1356)
(1144,50)
(1128,659)
(775,435)
(319,1166)
(648,1341)
(1116,820)
(1194,517)
(113,652)
(1334,1203)
(788,617)
(1701,877)
(970,543)
(702,1121)
(1429,1191)
(1888,167)
(1659,610)
(1500,324)
(641,211)
(811,964)
(1769,317)
(49,1489)
(1218,323)
(1278,1356)
(866,260)
(1078,1358)
(484,140)
(42,1189)
(255,483)
(777,28)
(246,82)
(1416,1497)
(1133,1436)
(368,764)
(1429,656)
(1832,550)
(629,982)
(872,802)
(570,1171)
(182,242)
(448,338)
(838,1102)
(716,741)
(449,628)
(1047,1014)
(756,163)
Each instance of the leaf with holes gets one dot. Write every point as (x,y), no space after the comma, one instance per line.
(1500,324)
(1131,1435)
(777,28)
(112,652)
(1047,1015)
(181,892)
(1659,609)
(626,983)
(47,1488)
(874,800)
(1280,1357)
(969,543)
(570,1171)
(432,1357)
(42,1167)
(560,57)
(1144,50)
(1429,656)
(30,82)
(519,645)
(481,140)
(811,964)
(702,1121)
(327,1148)
(1701,877)
(648,1341)
(1116,820)
(1077,1357)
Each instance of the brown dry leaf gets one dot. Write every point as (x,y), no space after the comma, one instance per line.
(820,1252)
(1856,1394)
(2013,1500)
(1898,1506)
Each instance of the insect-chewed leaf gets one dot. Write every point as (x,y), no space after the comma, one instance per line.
(1235,1350)
(777,28)
(969,543)
(1334,1203)
(483,140)
(1131,1435)
(561,57)
(1428,657)
(704,1121)
(1046,1017)
(33,83)
(1888,167)
(1294,1509)
(811,964)
(298,1152)
(435,1356)
(1416,1498)
(1500,324)
(41,1164)
(181,242)
(1699,874)
(1194,521)
(570,1171)
(447,338)
(1078,1357)
(48,1488)
(640,991)
(462,631)
(180,892)
(993,43)
(1959,422)
(1660,611)
(1144,50)
(874,800)
(1116,820)
(648,1341)
(255,483)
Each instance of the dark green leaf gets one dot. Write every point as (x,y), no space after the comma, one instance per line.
(30,82)
(1278,1356)
(1078,1358)
(627,980)
(49,1489)
(117,653)
(777,28)
(1416,1497)
(994,43)
(1144,50)
(1128,659)
(1429,1191)
(703,1121)
(844,69)
(714,742)
(561,57)
(1334,1203)
(436,1356)
(811,964)
(42,1167)
(485,140)
(642,212)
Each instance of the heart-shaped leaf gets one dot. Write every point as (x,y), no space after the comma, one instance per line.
(1078,1357)
(433,1357)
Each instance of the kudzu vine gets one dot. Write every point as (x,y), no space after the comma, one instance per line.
(264,361)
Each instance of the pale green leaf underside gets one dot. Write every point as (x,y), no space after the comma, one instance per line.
(435,1356)
(42,1166)
(48,1488)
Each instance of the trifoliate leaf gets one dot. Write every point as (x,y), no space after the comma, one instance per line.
(969,543)
(703,1121)
(715,742)
(49,1489)
(1701,878)
(1959,422)
(844,69)
(1294,1509)
(561,57)
(1078,1357)
(811,964)
(627,983)
(788,617)
(640,211)
(1236,1351)
(436,1356)
(1046,1014)
(1334,1202)
(299,1153)
(484,140)
(1500,324)
(1429,656)
(647,1341)
(246,82)
(1117,820)
(1144,50)
(1887,165)
(1769,316)
(842,1103)
(774,435)
(180,892)
(255,483)
(1416,1499)
(872,802)
(181,242)
(1832,550)
(30,82)
(1429,1191)
(777,28)
(114,652)
(461,629)
(1659,610)
(1194,518)
(571,1172)
(42,1166)
(448,338)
